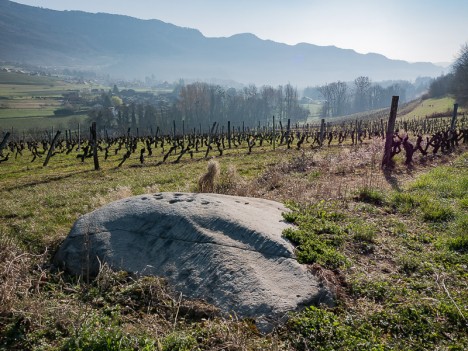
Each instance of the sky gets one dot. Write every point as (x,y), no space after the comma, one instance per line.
(410,30)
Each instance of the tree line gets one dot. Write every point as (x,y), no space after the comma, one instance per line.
(455,82)
(197,106)
(344,98)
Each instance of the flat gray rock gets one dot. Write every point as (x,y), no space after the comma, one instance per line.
(226,250)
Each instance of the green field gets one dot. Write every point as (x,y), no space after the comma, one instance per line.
(42,123)
(314,109)
(14,78)
(14,85)
(6,113)
(28,102)
(430,106)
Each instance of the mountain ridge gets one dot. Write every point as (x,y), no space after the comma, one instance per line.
(128,47)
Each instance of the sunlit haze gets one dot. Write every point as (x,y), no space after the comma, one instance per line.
(410,30)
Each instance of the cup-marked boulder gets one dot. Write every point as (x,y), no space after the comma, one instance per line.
(226,250)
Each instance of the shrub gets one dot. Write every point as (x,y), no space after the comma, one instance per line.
(370,196)
(105,333)
(459,243)
(404,202)
(362,232)
(318,235)
(178,342)
(64,112)
(463,203)
(320,329)
(436,212)
(409,264)
(378,291)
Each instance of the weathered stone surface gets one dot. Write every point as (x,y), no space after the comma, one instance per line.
(226,250)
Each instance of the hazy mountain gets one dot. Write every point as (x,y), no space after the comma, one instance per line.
(129,47)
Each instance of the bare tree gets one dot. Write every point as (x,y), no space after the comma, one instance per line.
(336,98)
(361,95)
(460,78)
(340,98)
(280,103)
(326,92)
(290,100)
(268,103)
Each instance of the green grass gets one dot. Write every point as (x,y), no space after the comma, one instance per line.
(444,182)
(104,333)
(430,106)
(28,103)
(319,235)
(29,124)
(23,85)
(371,196)
(321,329)
(9,113)
(14,78)
(314,109)
(419,301)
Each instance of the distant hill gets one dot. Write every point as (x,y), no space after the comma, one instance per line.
(127,47)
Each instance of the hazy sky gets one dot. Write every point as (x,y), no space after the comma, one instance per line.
(411,30)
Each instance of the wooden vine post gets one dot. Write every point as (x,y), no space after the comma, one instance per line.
(210,139)
(95,148)
(454,118)
(79,137)
(51,149)
(387,157)
(322,131)
(274,134)
(4,141)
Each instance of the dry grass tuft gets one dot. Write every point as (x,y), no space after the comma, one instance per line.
(117,193)
(207,182)
(20,274)
(152,189)
(231,183)
(334,173)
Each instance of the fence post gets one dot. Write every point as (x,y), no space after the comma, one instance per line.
(386,160)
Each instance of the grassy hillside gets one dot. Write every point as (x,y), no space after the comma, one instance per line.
(28,102)
(392,246)
(429,107)
(17,78)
